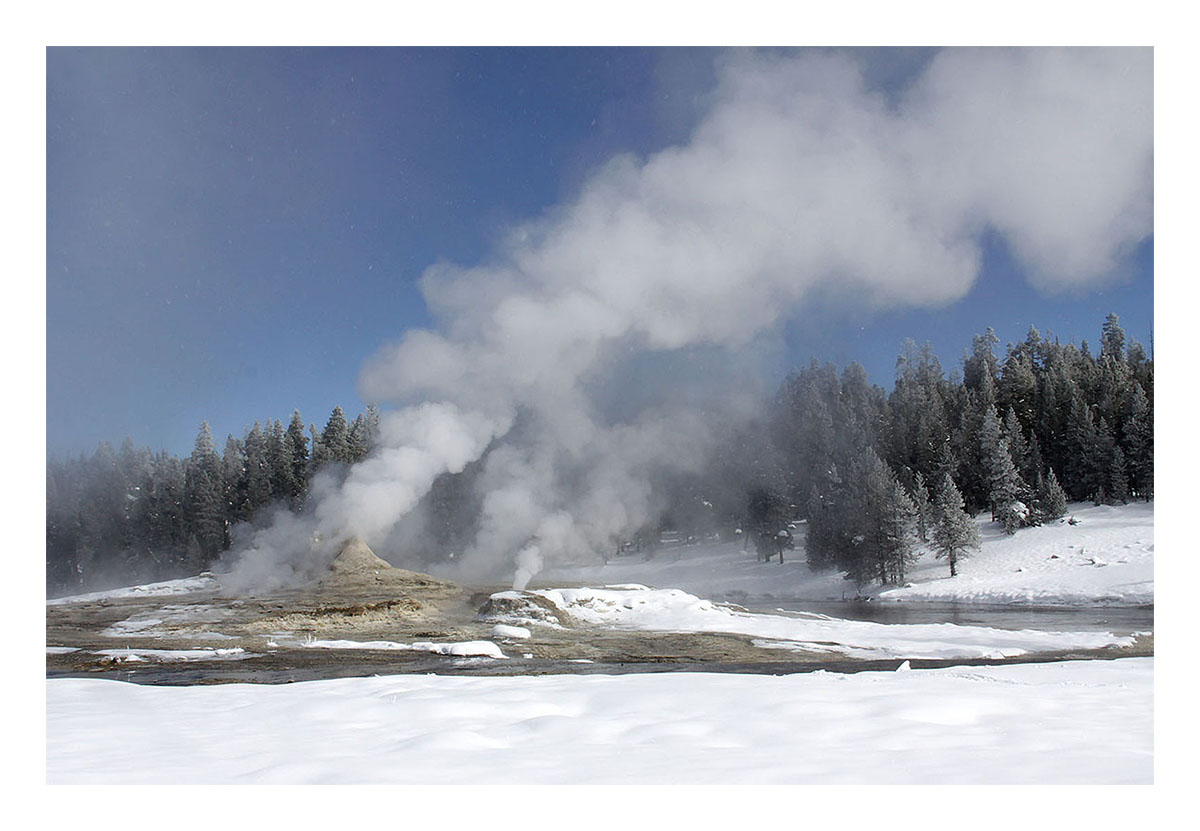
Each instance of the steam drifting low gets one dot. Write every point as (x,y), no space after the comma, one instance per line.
(799,179)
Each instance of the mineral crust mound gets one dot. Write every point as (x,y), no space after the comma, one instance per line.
(357,565)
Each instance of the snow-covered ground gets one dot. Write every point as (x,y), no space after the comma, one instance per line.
(183,585)
(1062,723)
(460,649)
(1107,557)
(1075,722)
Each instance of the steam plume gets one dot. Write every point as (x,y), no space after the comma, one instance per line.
(799,179)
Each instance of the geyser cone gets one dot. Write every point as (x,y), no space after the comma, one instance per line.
(357,566)
(356,559)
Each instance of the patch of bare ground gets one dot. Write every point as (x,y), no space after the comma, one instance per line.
(362,598)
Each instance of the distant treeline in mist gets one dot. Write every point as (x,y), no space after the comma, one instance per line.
(134,515)
(872,474)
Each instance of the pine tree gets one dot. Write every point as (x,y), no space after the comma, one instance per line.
(954,532)
(1014,435)
(1005,488)
(889,526)
(831,511)
(233,481)
(101,513)
(1034,464)
(980,368)
(1052,499)
(320,454)
(973,441)
(372,420)
(205,516)
(1017,389)
(296,450)
(1007,491)
(166,532)
(1101,458)
(1118,479)
(204,501)
(1079,451)
(1138,435)
(258,469)
(896,532)
(922,506)
(279,463)
(767,512)
(878,524)
(1112,338)
(335,437)
(357,440)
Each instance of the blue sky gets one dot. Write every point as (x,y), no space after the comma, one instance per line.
(232,233)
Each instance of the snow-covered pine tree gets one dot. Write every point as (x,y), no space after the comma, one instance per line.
(1052,499)
(233,481)
(1014,435)
(1016,390)
(372,419)
(1138,435)
(1112,338)
(898,531)
(277,460)
(357,440)
(820,548)
(1007,491)
(954,531)
(296,450)
(967,442)
(335,446)
(922,506)
(1005,488)
(980,368)
(319,454)
(1079,450)
(258,469)
(204,497)
(881,526)
(1034,464)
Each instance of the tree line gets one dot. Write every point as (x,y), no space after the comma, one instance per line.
(872,475)
(132,514)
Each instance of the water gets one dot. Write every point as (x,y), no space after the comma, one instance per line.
(1118,620)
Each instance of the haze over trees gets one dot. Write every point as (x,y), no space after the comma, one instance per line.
(137,515)
(872,475)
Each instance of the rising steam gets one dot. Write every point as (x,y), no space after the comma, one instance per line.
(799,179)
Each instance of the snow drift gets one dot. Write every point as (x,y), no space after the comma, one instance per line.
(1077,722)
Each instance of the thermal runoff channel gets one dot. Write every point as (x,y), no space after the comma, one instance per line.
(550,363)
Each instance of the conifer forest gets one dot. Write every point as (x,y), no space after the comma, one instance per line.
(1017,433)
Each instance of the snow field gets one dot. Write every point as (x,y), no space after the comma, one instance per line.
(183,585)
(1063,723)
(1106,558)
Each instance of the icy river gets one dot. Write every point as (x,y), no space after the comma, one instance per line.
(1116,619)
